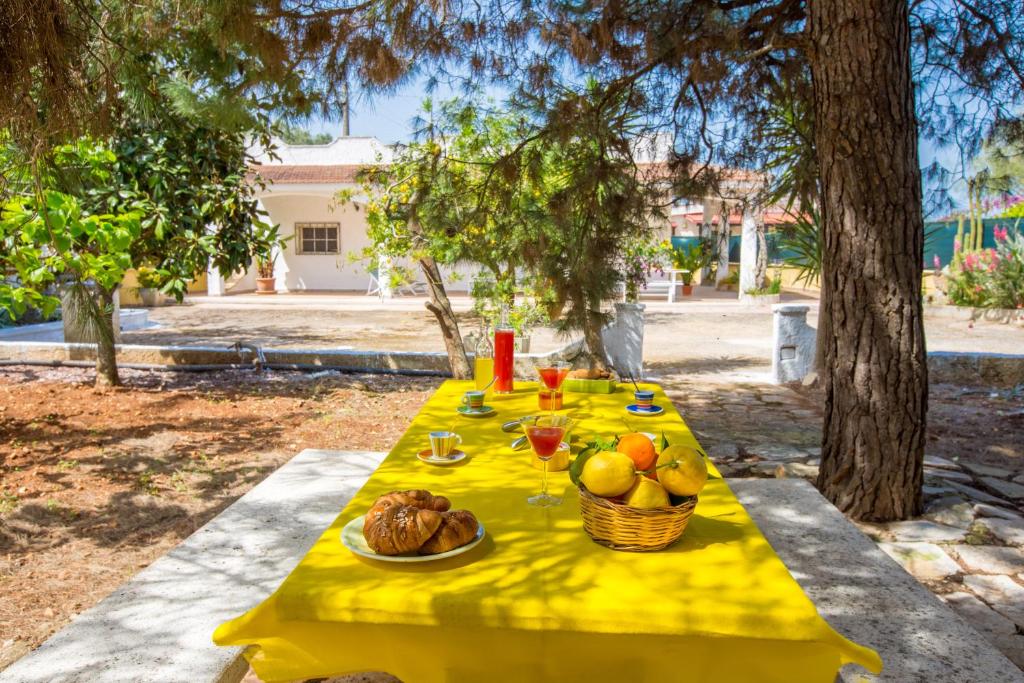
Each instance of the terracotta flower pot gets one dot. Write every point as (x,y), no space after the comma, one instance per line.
(265,285)
(687,290)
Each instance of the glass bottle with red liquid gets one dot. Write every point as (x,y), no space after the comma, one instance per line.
(504,355)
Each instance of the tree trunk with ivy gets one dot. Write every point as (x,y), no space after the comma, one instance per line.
(875,374)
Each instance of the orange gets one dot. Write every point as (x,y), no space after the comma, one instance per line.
(640,450)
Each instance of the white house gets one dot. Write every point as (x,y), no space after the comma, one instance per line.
(326,238)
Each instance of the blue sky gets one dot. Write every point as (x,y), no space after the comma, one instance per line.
(390,117)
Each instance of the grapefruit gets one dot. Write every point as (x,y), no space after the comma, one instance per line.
(608,474)
(682,470)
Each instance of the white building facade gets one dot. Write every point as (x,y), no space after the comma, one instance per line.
(326,239)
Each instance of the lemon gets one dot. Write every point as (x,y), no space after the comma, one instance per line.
(608,474)
(647,493)
(682,470)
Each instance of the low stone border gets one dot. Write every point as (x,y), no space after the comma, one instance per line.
(221,357)
(992,369)
(998,315)
(130,319)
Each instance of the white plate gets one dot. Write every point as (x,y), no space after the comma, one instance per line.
(352,538)
(427,456)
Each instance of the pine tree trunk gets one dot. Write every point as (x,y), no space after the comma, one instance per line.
(106,354)
(592,326)
(824,329)
(875,376)
(441,307)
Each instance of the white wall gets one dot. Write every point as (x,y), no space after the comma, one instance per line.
(331,272)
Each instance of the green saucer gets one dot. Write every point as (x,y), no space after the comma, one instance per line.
(482,411)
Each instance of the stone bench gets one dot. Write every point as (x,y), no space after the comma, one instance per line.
(864,594)
(157,627)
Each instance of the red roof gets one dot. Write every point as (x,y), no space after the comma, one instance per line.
(770,217)
(293,174)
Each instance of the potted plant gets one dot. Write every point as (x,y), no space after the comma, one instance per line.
(265,281)
(729,283)
(149,287)
(691,259)
(765,296)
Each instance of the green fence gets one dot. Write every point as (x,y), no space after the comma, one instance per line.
(939,238)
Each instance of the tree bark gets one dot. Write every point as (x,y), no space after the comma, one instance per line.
(592,327)
(106,354)
(761,268)
(724,233)
(441,307)
(875,375)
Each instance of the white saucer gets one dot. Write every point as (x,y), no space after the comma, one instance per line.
(634,409)
(427,456)
(352,538)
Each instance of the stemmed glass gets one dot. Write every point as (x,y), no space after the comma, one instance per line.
(546,434)
(552,375)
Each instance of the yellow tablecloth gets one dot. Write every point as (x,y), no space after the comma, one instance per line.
(537,600)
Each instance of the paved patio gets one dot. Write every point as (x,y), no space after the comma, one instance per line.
(709,333)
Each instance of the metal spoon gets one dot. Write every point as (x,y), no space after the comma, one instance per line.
(513,425)
(520,444)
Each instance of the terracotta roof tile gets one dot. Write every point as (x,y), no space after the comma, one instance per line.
(294,174)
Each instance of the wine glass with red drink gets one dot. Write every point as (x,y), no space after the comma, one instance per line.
(546,434)
(552,375)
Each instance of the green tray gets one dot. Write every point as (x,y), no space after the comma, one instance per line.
(589,386)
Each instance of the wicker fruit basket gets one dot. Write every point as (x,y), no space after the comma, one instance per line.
(621,527)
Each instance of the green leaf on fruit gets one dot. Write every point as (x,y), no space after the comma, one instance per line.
(576,469)
(664,441)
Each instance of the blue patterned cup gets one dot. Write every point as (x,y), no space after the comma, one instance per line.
(644,399)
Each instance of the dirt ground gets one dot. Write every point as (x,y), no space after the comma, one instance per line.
(94,487)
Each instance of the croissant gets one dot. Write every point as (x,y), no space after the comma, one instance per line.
(419,498)
(458,527)
(399,529)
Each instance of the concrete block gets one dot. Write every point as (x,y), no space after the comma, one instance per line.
(793,343)
(624,340)
(157,628)
(864,594)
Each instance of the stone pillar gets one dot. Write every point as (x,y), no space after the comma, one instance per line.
(793,342)
(748,250)
(724,233)
(624,340)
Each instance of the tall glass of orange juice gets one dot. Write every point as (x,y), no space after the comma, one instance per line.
(483,365)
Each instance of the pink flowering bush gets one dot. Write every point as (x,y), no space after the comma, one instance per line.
(990,278)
